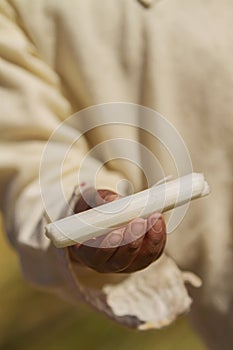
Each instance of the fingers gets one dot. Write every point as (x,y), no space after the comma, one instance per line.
(96,257)
(152,245)
(106,249)
(89,253)
(126,249)
(130,245)
(93,198)
(116,250)
(83,253)
(95,252)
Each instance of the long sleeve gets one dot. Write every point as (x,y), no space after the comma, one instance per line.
(40,87)
(32,107)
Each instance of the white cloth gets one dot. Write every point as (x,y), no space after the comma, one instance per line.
(58,57)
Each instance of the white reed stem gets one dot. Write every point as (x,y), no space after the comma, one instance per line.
(97,221)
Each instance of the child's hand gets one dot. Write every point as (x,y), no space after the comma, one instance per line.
(127,249)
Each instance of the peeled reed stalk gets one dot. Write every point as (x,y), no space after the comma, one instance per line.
(92,223)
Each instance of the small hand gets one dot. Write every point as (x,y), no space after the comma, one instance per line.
(129,248)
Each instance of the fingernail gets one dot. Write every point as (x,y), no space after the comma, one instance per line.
(154,218)
(138,227)
(115,239)
(156,224)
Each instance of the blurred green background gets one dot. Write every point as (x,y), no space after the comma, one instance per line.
(34,319)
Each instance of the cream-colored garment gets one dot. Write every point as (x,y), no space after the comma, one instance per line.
(57,57)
